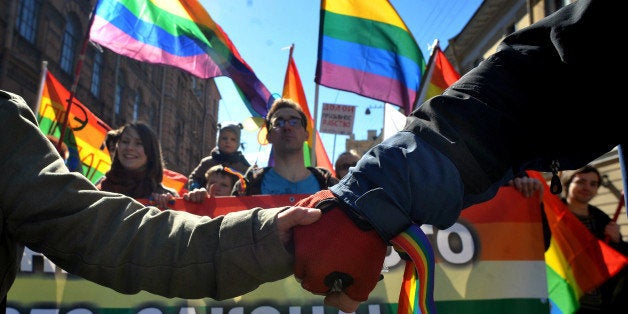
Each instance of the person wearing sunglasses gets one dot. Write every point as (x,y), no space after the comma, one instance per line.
(287,131)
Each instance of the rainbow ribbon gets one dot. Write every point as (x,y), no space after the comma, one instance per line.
(417,290)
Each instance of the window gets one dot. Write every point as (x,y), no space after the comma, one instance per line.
(152,114)
(136,106)
(96,72)
(26,22)
(117,102)
(70,42)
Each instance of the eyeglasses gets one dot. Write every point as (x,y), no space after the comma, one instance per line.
(280,123)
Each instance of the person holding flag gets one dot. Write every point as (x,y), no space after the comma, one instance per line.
(580,187)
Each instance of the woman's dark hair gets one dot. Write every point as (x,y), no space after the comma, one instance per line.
(152,149)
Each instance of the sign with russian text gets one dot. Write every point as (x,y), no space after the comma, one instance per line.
(337,119)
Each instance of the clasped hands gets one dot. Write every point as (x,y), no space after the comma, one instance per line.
(336,258)
(333,256)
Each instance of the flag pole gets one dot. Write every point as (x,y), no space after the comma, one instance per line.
(77,74)
(313,152)
(42,82)
(428,73)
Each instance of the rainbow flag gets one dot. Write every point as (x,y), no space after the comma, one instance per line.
(293,89)
(179,33)
(84,135)
(440,74)
(175,180)
(364,47)
(576,261)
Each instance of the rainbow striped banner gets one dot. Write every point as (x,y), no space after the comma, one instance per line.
(84,135)
(364,47)
(490,261)
(178,33)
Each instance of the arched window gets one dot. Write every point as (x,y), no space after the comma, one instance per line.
(27,16)
(152,114)
(69,45)
(96,73)
(117,101)
(137,103)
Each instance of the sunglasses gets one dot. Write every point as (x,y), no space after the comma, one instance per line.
(280,123)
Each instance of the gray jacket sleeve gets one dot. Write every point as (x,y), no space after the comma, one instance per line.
(115,241)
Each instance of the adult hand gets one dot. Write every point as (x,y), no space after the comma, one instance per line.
(295,216)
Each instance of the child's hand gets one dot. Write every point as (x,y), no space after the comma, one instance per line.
(196,195)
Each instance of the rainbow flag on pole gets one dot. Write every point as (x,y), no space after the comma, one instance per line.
(179,33)
(440,74)
(293,89)
(364,47)
(85,132)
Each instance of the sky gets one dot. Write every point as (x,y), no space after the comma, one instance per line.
(263,30)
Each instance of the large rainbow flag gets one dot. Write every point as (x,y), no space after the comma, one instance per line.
(84,134)
(179,33)
(293,89)
(364,47)
(576,261)
(440,74)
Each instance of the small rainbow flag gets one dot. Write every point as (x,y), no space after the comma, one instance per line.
(440,74)
(293,89)
(85,132)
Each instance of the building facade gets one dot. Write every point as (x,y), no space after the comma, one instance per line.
(181,108)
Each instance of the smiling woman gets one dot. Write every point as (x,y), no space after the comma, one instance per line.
(137,167)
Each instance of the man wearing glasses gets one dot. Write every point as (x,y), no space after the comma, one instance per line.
(287,131)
